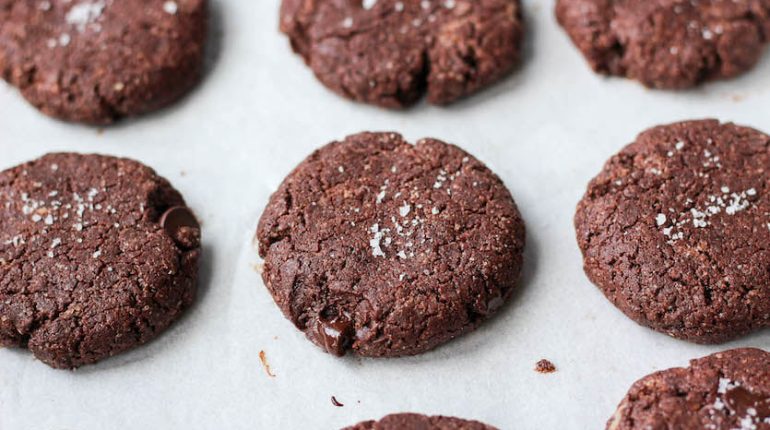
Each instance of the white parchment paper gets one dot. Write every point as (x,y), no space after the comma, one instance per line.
(546,131)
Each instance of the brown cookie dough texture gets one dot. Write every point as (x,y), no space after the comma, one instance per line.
(383,248)
(669,44)
(419,422)
(97,255)
(676,227)
(725,391)
(96,61)
(390,52)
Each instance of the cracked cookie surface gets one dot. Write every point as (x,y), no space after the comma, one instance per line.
(390,52)
(383,248)
(675,230)
(420,422)
(97,255)
(725,391)
(668,44)
(96,61)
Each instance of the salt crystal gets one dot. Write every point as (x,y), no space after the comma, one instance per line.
(170,7)
(404,210)
(84,13)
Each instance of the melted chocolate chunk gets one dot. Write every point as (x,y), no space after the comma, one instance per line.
(334,335)
(182,226)
(743,402)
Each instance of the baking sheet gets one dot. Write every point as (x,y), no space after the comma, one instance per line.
(546,131)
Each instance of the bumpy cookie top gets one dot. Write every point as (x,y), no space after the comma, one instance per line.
(668,43)
(420,422)
(387,52)
(97,254)
(724,391)
(96,61)
(387,248)
(675,230)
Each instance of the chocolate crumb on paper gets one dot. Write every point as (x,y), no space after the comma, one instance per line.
(265,364)
(336,402)
(544,366)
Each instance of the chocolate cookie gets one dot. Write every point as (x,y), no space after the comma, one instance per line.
(97,255)
(675,229)
(419,422)
(669,44)
(390,52)
(725,391)
(96,61)
(384,248)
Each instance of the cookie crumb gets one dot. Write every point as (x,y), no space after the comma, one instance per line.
(336,402)
(544,366)
(265,364)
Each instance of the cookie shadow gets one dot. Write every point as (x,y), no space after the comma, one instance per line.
(759,339)
(168,338)
(216,37)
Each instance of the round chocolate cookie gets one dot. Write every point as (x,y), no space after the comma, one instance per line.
(725,391)
(670,44)
(96,61)
(675,230)
(384,248)
(390,52)
(419,422)
(97,255)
